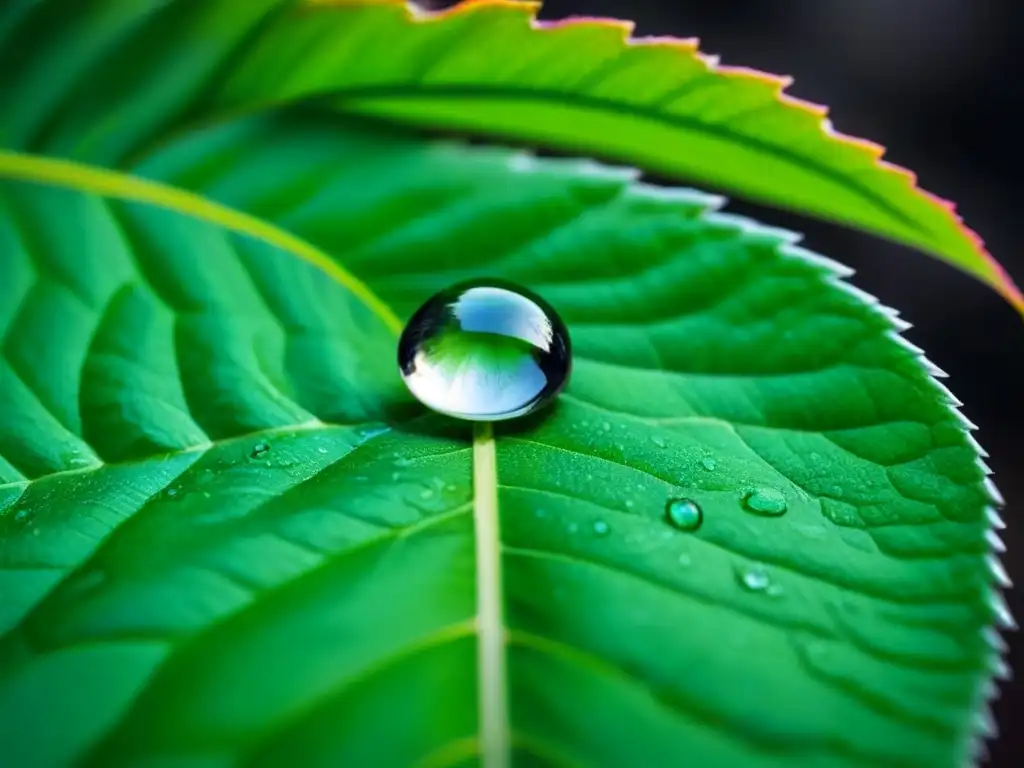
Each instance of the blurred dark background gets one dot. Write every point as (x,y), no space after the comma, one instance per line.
(938,82)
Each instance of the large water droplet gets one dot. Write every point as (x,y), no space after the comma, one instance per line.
(683,514)
(765,501)
(485,350)
(708,463)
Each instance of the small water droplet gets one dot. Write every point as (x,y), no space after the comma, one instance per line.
(684,559)
(22,516)
(426,493)
(606,427)
(601,528)
(258,450)
(630,504)
(322,451)
(402,461)
(485,351)
(708,464)
(395,476)
(765,501)
(755,578)
(451,488)
(658,441)
(572,527)
(683,514)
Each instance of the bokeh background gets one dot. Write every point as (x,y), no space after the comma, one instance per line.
(941,84)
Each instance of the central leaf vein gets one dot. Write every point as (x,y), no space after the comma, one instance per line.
(491,661)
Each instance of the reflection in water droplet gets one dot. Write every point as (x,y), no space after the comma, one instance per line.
(765,501)
(708,464)
(683,514)
(258,450)
(601,528)
(485,351)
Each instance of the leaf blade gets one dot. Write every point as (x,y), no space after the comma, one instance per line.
(679,324)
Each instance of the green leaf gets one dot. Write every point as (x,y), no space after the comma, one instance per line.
(106,80)
(227,534)
(584,85)
(226,537)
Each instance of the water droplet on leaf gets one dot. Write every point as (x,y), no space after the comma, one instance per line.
(765,501)
(755,578)
(572,527)
(601,528)
(708,464)
(258,450)
(683,514)
(658,441)
(22,516)
(485,351)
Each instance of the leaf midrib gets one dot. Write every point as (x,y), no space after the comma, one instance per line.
(499,92)
(118,184)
